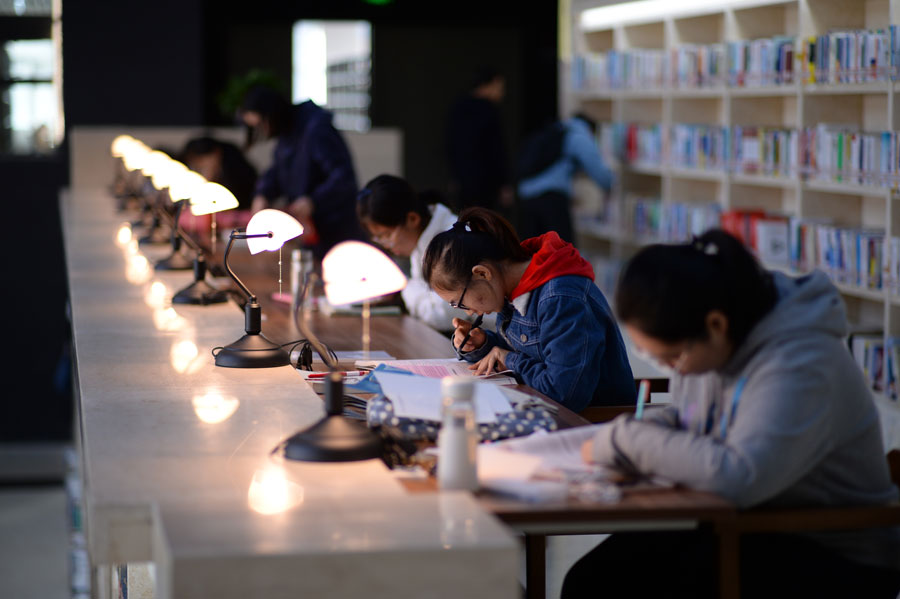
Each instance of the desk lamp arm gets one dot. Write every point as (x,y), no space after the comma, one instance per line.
(240,234)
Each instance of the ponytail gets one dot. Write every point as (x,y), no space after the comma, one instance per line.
(666,291)
(480,235)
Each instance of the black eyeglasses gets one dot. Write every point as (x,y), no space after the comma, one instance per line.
(459,304)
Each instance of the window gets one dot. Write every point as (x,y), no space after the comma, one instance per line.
(332,65)
(31,120)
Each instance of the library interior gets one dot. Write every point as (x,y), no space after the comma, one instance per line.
(378,298)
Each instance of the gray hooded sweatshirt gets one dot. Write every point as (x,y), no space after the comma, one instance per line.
(802,431)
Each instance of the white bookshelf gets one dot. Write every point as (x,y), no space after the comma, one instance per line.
(869,106)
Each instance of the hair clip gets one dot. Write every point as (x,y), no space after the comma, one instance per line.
(363,193)
(710,248)
(462,226)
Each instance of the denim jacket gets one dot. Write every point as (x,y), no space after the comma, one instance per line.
(564,342)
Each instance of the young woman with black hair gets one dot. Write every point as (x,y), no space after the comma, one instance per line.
(403,222)
(768,407)
(555,329)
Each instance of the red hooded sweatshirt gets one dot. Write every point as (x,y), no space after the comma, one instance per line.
(552,257)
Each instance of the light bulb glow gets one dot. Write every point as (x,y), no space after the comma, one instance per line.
(213,407)
(138,270)
(271,492)
(157,295)
(185,357)
(185,184)
(354,271)
(123,235)
(167,319)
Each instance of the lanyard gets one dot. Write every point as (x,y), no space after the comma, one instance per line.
(727,416)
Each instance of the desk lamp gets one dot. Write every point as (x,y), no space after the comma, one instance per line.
(209,198)
(267,230)
(353,271)
(182,185)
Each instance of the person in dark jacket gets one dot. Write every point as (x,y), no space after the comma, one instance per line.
(224,163)
(555,329)
(311,167)
(475,147)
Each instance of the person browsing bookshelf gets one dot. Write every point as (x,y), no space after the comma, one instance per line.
(403,222)
(768,408)
(554,327)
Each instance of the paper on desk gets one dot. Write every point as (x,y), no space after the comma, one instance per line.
(559,450)
(439,368)
(420,397)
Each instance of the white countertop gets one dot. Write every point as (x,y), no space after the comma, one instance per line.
(176,465)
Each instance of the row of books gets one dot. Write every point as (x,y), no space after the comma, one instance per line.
(863,258)
(851,56)
(879,359)
(670,221)
(826,152)
(839,56)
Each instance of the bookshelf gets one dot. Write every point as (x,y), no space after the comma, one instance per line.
(737,77)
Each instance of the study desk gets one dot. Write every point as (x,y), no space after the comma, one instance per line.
(175,453)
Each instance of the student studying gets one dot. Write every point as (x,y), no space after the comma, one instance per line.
(768,408)
(555,329)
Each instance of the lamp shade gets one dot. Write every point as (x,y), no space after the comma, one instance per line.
(154,162)
(212,197)
(120,144)
(281,225)
(165,173)
(135,154)
(185,185)
(354,271)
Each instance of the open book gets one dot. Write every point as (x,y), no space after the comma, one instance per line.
(439,368)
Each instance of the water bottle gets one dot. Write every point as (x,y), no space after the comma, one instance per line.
(458,437)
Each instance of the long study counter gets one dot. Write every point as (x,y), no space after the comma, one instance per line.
(175,453)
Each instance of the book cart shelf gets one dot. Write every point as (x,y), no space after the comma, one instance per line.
(675,86)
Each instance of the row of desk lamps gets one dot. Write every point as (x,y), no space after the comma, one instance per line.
(352,272)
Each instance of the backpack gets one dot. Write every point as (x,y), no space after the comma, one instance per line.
(540,150)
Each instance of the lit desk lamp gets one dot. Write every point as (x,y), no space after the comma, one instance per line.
(148,163)
(183,184)
(267,230)
(209,198)
(353,271)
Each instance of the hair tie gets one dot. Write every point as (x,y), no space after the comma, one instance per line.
(461,226)
(363,193)
(709,248)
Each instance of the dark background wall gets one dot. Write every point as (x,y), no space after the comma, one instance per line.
(164,63)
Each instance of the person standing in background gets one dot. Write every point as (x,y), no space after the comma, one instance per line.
(475,147)
(545,191)
(311,167)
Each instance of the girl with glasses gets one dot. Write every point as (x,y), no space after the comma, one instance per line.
(554,328)
(768,408)
(403,222)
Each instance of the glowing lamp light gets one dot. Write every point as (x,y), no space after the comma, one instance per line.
(167,319)
(154,162)
(254,350)
(271,229)
(354,271)
(185,184)
(138,270)
(135,155)
(123,235)
(212,197)
(213,407)
(166,173)
(157,295)
(271,492)
(120,144)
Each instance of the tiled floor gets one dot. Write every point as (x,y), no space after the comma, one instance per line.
(34,543)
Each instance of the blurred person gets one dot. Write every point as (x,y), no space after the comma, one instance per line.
(311,167)
(475,147)
(224,163)
(545,170)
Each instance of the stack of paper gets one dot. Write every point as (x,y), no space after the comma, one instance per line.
(420,397)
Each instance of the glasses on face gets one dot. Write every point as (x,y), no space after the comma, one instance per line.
(386,240)
(459,303)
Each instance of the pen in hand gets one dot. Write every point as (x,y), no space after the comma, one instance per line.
(475,324)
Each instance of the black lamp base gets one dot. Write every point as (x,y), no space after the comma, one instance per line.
(334,439)
(156,236)
(200,292)
(252,350)
(176,261)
